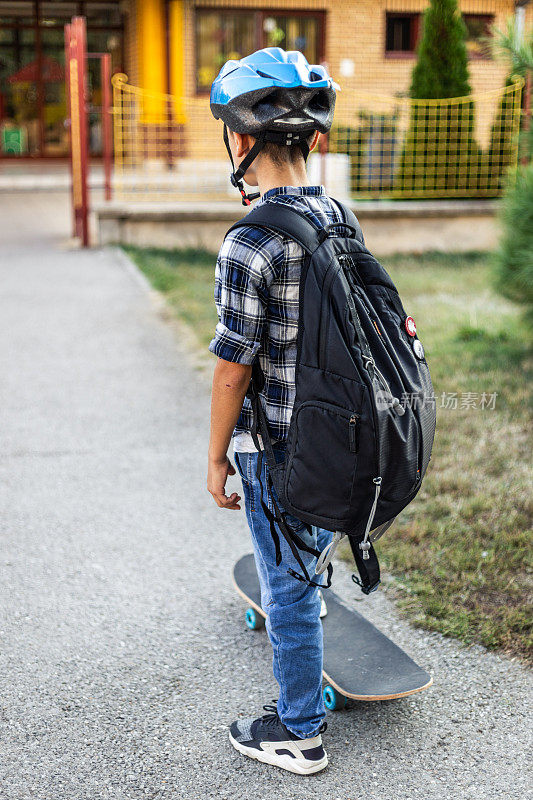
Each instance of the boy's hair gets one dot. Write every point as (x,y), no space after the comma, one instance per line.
(281,154)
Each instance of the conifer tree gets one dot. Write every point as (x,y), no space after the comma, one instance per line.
(442,64)
(440,155)
(513,258)
(508,45)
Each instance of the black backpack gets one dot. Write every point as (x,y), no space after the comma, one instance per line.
(363,420)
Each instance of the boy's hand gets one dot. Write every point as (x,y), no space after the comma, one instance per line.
(217,475)
(230,382)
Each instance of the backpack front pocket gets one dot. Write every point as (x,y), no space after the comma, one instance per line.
(322,459)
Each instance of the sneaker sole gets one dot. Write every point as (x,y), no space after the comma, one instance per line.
(300,766)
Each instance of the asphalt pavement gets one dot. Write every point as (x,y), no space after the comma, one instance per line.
(123,650)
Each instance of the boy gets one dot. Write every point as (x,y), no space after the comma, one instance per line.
(256,294)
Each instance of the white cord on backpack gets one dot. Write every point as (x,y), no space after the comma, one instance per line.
(328,552)
(365,545)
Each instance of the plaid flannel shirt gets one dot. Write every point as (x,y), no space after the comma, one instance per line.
(256,296)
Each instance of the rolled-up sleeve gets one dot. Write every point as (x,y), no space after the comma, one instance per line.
(244,271)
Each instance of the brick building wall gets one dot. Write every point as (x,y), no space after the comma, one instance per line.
(354,41)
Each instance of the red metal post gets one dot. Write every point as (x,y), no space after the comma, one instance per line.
(77,67)
(68,120)
(107,133)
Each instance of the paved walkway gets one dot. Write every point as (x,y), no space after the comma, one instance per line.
(124,653)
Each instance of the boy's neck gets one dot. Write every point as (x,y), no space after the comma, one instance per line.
(270,176)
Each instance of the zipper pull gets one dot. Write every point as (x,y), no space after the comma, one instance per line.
(370,366)
(352,427)
(397,407)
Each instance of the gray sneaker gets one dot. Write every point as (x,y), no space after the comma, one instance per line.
(268,740)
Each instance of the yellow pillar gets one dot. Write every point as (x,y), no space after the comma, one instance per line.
(152,56)
(177,58)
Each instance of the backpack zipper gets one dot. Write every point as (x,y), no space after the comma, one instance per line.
(372,370)
(393,401)
(352,428)
(399,409)
(368,369)
(331,273)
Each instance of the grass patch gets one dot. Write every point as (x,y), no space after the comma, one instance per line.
(186,279)
(457,558)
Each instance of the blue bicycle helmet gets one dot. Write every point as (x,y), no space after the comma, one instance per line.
(276,96)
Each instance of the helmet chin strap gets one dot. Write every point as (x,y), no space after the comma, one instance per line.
(278,137)
(237,175)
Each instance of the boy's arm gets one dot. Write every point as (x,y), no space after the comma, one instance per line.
(246,266)
(230,382)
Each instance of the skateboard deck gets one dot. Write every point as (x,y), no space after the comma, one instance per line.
(360,662)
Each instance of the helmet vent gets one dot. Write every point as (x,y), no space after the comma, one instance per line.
(271,100)
(319,102)
(266,75)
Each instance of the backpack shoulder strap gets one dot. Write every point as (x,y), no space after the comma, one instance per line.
(283,219)
(349,217)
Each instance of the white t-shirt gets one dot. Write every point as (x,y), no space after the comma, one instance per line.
(243,443)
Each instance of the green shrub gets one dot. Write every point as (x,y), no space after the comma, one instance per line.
(371,146)
(440,153)
(513,259)
(442,64)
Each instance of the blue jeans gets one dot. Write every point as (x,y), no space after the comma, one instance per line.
(292,608)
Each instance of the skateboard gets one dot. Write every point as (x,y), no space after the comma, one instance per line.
(360,662)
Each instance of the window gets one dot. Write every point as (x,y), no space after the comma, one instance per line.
(219,37)
(477,26)
(401,34)
(223,35)
(32,71)
(292,33)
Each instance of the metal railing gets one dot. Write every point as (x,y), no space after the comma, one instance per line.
(170,148)
(166,147)
(453,147)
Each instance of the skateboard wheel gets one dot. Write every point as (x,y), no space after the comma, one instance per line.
(333,700)
(254,620)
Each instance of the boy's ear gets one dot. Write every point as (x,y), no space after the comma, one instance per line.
(243,143)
